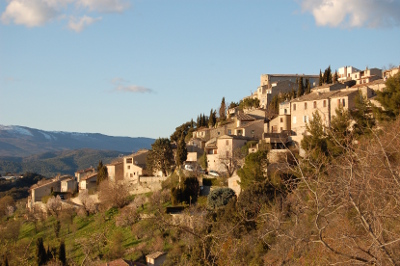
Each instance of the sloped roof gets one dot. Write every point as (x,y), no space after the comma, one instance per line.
(313,96)
(89,176)
(155,255)
(244,117)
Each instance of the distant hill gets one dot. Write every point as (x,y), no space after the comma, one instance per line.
(50,164)
(20,141)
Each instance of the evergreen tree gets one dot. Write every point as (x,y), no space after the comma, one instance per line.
(222,110)
(315,142)
(203,161)
(198,122)
(181,151)
(390,96)
(300,90)
(361,114)
(340,135)
(321,80)
(254,169)
(328,75)
(62,257)
(160,157)
(307,86)
(212,119)
(204,121)
(41,255)
(102,172)
(335,77)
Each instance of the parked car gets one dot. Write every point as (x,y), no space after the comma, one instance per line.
(188,167)
(213,173)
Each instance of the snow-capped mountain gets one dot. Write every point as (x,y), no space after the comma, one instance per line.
(20,141)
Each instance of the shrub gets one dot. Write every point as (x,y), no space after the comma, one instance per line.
(220,197)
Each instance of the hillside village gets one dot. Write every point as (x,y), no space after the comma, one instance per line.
(219,150)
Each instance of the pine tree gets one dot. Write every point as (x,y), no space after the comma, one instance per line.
(300,90)
(222,110)
(181,151)
(62,257)
(321,79)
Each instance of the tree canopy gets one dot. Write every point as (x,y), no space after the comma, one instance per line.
(160,157)
(254,169)
(390,96)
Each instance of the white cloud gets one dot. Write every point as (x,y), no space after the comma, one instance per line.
(354,13)
(30,13)
(106,6)
(133,88)
(34,13)
(79,24)
(121,85)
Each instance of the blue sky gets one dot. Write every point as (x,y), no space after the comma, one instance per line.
(142,68)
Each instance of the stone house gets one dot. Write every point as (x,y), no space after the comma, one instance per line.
(345,73)
(88,182)
(45,188)
(391,72)
(69,185)
(367,75)
(323,102)
(83,173)
(156,258)
(222,150)
(115,171)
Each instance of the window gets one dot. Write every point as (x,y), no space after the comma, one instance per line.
(281,129)
(315,104)
(338,102)
(305,106)
(219,133)
(294,120)
(239,132)
(227,153)
(285,111)
(129,167)
(344,102)
(305,118)
(294,107)
(281,120)
(229,132)
(131,175)
(324,103)
(129,160)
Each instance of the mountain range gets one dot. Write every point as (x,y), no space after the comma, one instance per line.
(20,141)
(24,149)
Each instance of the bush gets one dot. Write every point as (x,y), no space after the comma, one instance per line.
(220,197)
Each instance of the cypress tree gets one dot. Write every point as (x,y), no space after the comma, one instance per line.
(41,255)
(321,80)
(102,173)
(307,86)
(212,120)
(300,90)
(222,110)
(181,151)
(335,77)
(62,256)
